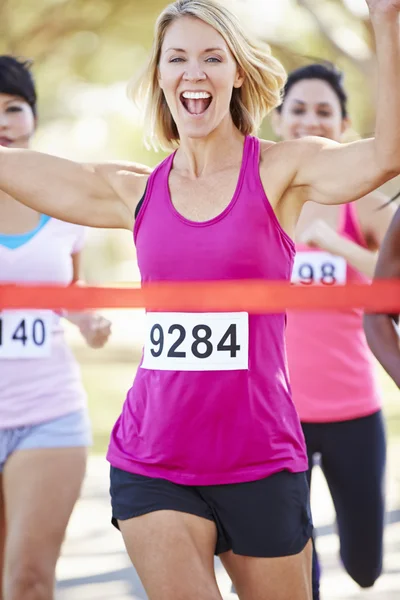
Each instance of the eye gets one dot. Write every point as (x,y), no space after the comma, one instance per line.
(298,111)
(14,109)
(213,59)
(324,113)
(176,59)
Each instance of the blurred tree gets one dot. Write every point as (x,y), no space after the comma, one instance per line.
(359,28)
(104,41)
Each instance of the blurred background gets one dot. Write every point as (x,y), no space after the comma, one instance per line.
(84,53)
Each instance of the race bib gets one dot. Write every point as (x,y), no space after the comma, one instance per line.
(25,334)
(197,341)
(319,268)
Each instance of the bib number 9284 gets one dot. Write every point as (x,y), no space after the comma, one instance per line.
(25,334)
(196,341)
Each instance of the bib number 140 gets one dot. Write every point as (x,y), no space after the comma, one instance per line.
(196,341)
(25,335)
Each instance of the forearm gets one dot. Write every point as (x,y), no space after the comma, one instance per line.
(384,341)
(361,259)
(387,131)
(78,318)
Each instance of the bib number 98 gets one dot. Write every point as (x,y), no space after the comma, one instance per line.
(319,268)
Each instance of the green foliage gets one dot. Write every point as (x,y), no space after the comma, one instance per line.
(104,41)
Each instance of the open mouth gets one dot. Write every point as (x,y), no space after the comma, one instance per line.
(196,103)
(5,141)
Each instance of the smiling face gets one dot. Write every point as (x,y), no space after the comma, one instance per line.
(197,73)
(311,108)
(17,122)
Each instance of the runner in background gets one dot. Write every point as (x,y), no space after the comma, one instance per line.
(331,368)
(382,330)
(44,423)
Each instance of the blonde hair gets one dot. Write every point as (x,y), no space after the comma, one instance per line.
(258,95)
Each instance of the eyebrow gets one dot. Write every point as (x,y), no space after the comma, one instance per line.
(327,104)
(14,99)
(203,52)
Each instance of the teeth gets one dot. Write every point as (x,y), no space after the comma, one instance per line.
(196,95)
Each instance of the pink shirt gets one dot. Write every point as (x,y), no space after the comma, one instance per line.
(331,367)
(35,390)
(212,424)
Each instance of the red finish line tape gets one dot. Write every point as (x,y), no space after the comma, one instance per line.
(216,296)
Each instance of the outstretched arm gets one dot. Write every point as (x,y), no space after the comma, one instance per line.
(336,173)
(380,329)
(102,195)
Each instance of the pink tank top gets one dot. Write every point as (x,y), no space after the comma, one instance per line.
(225,414)
(332,370)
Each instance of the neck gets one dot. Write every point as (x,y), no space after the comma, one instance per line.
(198,157)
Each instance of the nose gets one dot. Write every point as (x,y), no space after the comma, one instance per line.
(3,119)
(194,72)
(311,119)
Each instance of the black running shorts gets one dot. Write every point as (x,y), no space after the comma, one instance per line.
(265,518)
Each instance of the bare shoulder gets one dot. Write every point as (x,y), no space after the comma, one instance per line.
(129,167)
(279,162)
(294,152)
(128,180)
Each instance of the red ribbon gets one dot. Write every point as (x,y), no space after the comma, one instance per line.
(217,296)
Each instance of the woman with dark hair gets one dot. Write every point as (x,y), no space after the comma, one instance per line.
(44,424)
(382,330)
(331,368)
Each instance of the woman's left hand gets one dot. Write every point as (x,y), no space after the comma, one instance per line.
(95,329)
(320,235)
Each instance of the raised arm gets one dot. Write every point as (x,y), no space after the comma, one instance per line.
(102,195)
(380,329)
(336,173)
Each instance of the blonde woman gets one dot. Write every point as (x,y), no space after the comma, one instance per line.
(208,455)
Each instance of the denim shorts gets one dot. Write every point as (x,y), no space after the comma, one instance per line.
(266,518)
(68,431)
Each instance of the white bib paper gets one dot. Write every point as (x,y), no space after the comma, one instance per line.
(197,341)
(319,268)
(25,334)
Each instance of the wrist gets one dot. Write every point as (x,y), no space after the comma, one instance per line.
(384,18)
(79,319)
(332,244)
